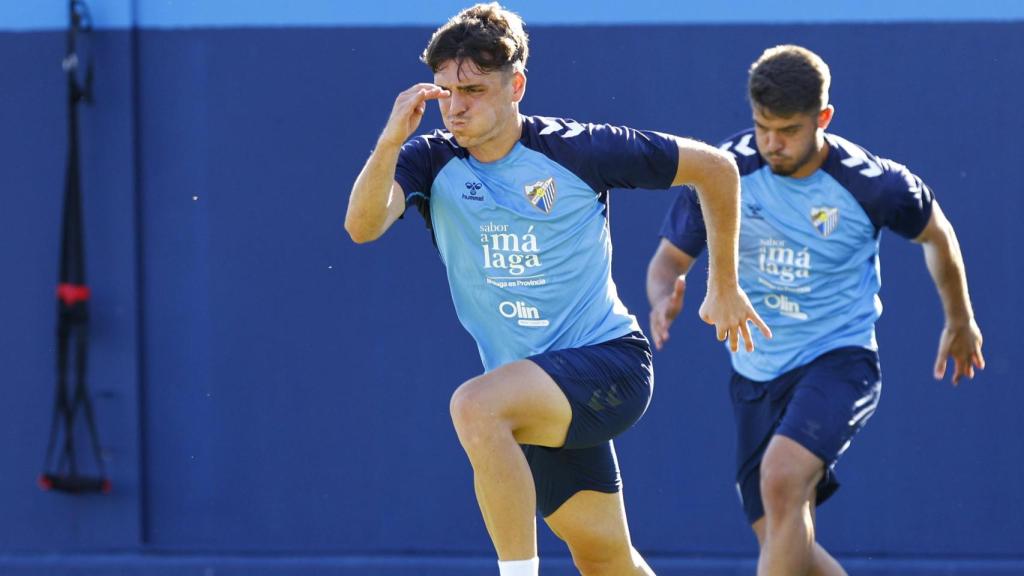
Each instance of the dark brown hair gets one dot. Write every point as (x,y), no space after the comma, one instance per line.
(489,36)
(789,79)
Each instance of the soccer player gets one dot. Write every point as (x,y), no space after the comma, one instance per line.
(813,205)
(517,206)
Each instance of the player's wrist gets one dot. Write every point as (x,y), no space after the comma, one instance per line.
(959,321)
(388,145)
(722,280)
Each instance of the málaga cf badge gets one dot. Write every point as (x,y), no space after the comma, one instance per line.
(542,194)
(825,220)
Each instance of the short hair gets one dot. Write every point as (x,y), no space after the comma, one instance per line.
(789,79)
(488,35)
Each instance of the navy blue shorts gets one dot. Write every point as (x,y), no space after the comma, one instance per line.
(609,386)
(820,405)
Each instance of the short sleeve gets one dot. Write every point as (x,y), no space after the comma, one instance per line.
(628,158)
(605,156)
(906,202)
(684,223)
(419,162)
(892,196)
(414,173)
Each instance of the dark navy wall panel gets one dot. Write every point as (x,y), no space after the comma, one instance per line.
(297,385)
(33,148)
(278,364)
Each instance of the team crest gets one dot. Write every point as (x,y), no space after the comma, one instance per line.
(825,220)
(542,194)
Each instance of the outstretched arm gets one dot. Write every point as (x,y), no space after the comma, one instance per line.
(961,337)
(714,175)
(377,200)
(666,285)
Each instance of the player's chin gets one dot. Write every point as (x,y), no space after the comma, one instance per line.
(782,169)
(462,136)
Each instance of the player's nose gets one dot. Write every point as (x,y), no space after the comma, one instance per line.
(773,143)
(457,104)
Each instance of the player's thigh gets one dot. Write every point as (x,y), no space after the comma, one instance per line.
(834,399)
(521,395)
(608,385)
(836,396)
(593,525)
(787,465)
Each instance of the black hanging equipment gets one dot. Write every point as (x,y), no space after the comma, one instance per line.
(61,469)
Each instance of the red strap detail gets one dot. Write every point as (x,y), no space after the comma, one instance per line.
(71,294)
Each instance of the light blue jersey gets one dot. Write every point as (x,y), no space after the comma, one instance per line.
(525,239)
(809,248)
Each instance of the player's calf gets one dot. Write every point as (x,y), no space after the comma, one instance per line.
(593,525)
(619,562)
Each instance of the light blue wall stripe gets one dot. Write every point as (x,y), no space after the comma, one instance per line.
(51,14)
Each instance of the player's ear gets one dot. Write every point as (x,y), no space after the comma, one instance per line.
(825,116)
(518,86)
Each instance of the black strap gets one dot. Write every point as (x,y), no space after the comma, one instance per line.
(61,467)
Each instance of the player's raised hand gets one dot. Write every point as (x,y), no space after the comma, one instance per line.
(408,112)
(963,343)
(729,311)
(665,311)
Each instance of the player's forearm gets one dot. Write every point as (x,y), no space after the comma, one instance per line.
(371,195)
(946,265)
(718,187)
(662,272)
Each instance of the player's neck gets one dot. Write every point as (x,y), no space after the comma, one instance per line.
(496,148)
(816,161)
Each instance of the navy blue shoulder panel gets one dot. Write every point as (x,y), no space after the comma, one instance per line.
(683,225)
(419,161)
(892,196)
(604,156)
(743,147)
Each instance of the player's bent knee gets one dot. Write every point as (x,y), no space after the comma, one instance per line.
(466,405)
(472,414)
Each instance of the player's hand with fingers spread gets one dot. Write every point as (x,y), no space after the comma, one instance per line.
(408,110)
(728,309)
(962,342)
(664,312)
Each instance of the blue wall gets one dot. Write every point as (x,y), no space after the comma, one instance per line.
(274,398)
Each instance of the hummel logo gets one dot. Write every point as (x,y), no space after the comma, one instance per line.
(551,126)
(743,146)
(811,428)
(473,187)
(600,399)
